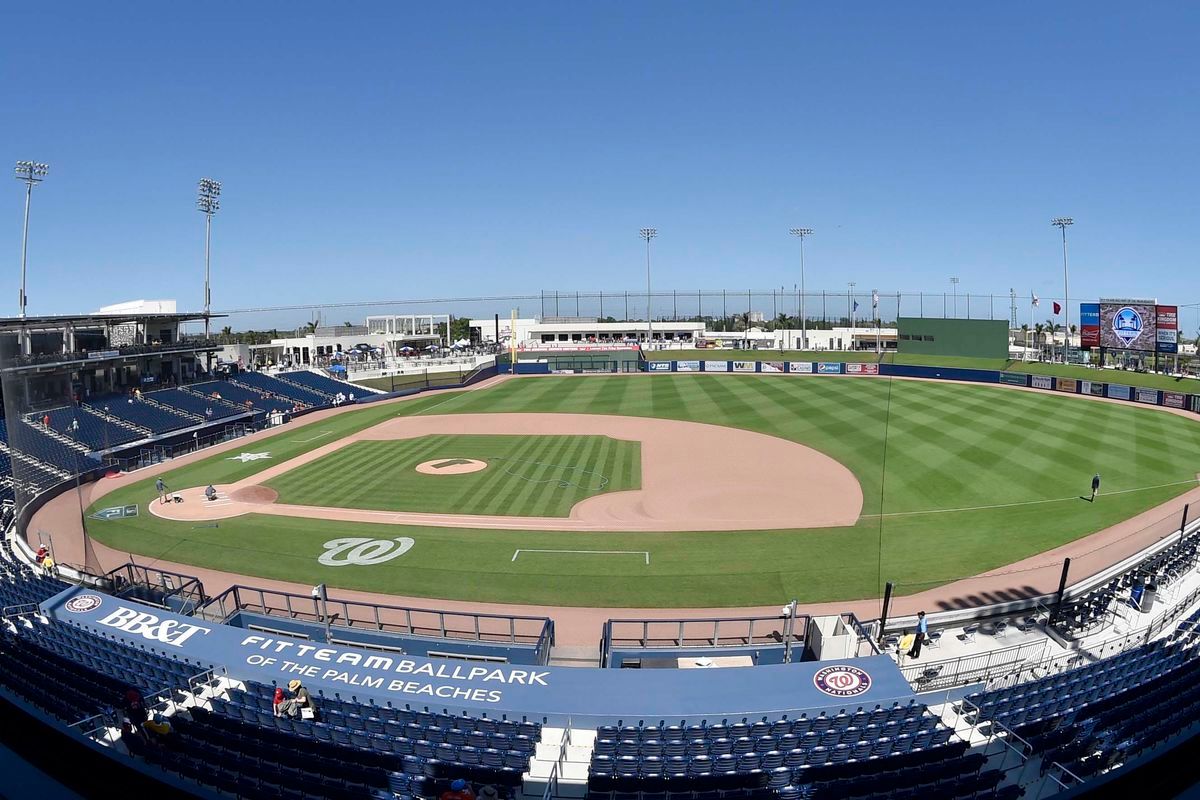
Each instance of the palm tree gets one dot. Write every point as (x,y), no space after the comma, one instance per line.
(1052,328)
(1037,338)
(744,318)
(1025,338)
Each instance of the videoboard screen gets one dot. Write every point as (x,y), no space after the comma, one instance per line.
(1130,326)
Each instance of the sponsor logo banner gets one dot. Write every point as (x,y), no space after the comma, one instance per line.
(1089,325)
(1014,378)
(862,369)
(116,512)
(687,366)
(745,366)
(802,367)
(83,603)
(1174,400)
(658,366)
(1147,396)
(716,366)
(1042,382)
(826,368)
(1093,388)
(771,366)
(1168,328)
(1119,392)
(842,680)
(1068,385)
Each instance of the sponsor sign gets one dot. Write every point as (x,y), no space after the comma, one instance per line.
(658,366)
(842,680)
(1091,387)
(1147,396)
(801,367)
(1089,325)
(1069,385)
(151,626)
(1129,326)
(1041,382)
(362,551)
(862,369)
(1196,403)
(745,366)
(116,512)
(827,368)
(716,366)
(1119,392)
(771,366)
(104,354)
(1168,328)
(1174,400)
(687,366)
(1014,378)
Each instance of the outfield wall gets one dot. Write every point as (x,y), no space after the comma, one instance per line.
(1111,390)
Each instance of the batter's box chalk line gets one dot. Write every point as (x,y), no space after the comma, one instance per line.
(644,553)
(562,482)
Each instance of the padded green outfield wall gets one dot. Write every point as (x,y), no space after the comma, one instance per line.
(981,338)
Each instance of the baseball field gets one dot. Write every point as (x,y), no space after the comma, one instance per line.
(954,480)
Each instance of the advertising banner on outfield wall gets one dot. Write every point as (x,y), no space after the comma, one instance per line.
(1093,388)
(658,366)
(716,366)
(1196,403)
(772,366)
(827,368)
(1118,392)
(1174,400)
(1069,385)
(1168,328)
(687,366)
(1014,378)
(745,366)
(862,369)
(802,367)
(1147,396)
(1042,382)
(1089,325)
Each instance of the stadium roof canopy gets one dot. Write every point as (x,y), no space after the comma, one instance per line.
(53,321)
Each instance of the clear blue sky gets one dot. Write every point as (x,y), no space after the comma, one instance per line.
(378,150)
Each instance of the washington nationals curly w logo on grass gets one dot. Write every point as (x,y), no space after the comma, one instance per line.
(362,551)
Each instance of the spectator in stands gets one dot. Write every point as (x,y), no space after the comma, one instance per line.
(459,790)
(137,393)
(48,565)
(133,741)
(488,792)
(294,707)
(41,554)
(278,701)
(46,420)
(161,486)
(352,397)
(158,730)
(919,639)
(74,427)
(906,644)
(208,412)
(134,707)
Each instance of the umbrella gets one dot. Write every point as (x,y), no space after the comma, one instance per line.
(432,347)
(337,368)
(406,349)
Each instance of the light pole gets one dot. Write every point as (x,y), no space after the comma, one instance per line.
(1061,223)
(850,309)
(954,288)
(648,234)
(32,173)
(208,202)
(802,232)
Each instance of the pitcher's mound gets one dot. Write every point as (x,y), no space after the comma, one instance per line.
(254,494)
(451,466)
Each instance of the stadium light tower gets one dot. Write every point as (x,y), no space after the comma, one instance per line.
(1062,223)
(850,308)
(802,232)
(648,234)
(954,288)
(32,173)
(208,202)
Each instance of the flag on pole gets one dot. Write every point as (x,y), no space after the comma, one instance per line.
(874,300)
(1057,308)
(856,305)
(1036,301)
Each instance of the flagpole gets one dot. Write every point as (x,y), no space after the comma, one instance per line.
(1032,306)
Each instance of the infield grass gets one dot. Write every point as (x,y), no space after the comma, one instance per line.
(1012,463)
(526,476)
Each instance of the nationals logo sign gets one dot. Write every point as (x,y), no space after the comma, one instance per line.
(842,680)
(83,603)
(363,552)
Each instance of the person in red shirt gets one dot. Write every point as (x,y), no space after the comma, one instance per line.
(459,790)
(278,701)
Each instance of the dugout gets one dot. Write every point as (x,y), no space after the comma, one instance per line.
(979,338)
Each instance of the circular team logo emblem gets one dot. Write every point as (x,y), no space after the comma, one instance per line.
(83,603)
(842,680)
(1127,324)
(363,552)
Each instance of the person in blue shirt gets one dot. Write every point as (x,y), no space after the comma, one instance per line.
(922,633)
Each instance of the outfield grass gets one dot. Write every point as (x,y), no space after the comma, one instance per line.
(953,453)
(526,476)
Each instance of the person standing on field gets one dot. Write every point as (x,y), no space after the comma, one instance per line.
(1095,486)
(161,486)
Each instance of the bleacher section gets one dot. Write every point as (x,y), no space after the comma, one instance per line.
(279,388)
(330,387)
(33,441)
(153,418)
(194,404)
(239,395)
(84,426)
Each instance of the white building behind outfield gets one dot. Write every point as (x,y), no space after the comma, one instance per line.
(383,335)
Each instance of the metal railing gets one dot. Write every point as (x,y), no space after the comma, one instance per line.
(537,632)
(163,583)
(551,790)
(976,668)
(785,630)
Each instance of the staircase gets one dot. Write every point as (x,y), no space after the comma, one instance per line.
(559,768)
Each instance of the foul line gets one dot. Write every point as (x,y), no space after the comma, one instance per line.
(312,439)
(645,553)
(1028,502)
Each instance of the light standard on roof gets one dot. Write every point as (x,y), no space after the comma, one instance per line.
(1061,223)
(32,173)
(802,232)
(648,234)
(954,288)
(208,201)
(850,309)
